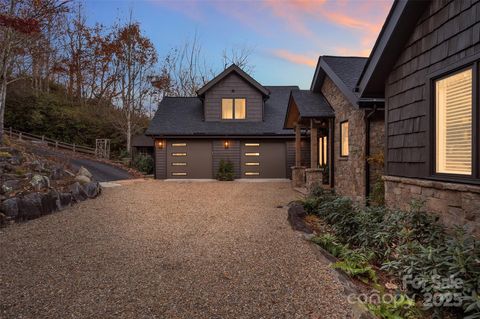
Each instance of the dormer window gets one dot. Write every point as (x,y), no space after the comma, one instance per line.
(234,109)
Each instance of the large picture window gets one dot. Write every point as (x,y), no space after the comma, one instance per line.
(234,109)
(453,122)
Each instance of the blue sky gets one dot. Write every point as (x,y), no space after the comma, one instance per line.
(286,36)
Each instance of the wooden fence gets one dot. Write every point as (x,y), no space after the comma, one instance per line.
(50,142)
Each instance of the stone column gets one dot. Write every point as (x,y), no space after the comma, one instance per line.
(313,146)
(298,145)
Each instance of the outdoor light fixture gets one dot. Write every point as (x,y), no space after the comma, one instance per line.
(226,144)
(160,144)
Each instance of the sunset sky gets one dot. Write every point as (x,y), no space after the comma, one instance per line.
(286,36)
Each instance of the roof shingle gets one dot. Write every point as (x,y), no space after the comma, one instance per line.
(183,116)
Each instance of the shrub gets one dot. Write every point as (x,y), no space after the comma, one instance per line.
(225,171)
(143,163)
(409,244)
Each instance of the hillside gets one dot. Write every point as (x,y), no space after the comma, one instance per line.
(59,116)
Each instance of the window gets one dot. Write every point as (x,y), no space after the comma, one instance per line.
(252,164)
(322,151)
(179,164)
(179,154)
(252,154)
(453,122)
(252,144)
(179,174)
(178,144)
(234,109)
(252,173)
(344,139)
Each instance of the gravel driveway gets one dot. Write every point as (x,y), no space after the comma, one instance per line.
(168,250)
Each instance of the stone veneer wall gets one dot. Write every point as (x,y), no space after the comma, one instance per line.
(455,204)
(349,173)
(377,149)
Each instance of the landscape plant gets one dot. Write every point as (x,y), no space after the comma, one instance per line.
(225,171)
(437,267)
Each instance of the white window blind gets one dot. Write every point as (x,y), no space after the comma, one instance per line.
(454,124)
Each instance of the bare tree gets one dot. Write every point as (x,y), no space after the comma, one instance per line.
(135,57)
(240,56)
(185,70)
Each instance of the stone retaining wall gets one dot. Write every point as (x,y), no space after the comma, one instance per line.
(455,204)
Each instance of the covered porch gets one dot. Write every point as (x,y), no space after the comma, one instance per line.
(310,113)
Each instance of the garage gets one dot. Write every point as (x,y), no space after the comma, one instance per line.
(189,159)
(260,159)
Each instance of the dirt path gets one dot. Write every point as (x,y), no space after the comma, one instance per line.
(168,250)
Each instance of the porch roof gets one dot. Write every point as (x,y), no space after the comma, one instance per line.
(305,104)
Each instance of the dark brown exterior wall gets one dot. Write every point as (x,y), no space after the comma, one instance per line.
(231,154)
(160,161)
(233,86)
(446,34)
(349,172)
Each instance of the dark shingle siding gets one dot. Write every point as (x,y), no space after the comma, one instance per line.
(184,116)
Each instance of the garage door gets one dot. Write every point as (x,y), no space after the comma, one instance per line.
(263,159)
(189,159)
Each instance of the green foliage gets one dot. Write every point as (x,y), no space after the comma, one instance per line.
(377,196)
(331,244)
(57,116)
(360,270)
(402,307)
(143,163)
(225,171)
(409,244)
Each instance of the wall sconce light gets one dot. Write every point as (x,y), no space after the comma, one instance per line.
(226,144)
(160,144)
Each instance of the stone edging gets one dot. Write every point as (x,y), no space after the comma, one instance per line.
(433,184)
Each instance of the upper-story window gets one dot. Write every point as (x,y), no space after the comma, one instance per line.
(234,109)
(454,119)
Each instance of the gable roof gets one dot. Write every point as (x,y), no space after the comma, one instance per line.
(183,116)
(241,73)
(398,27)
(343,71)
(305,104)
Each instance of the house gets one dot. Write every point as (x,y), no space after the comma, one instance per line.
(232,118)
(343,136)
(424,68)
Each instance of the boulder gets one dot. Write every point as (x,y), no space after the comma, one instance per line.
(64,200)
(40,182)
(296,215)
(78,193)
(50,202)
(92,189)
(82,179)
(57,173)
(36,166)
(9,207)
(11,185)
(84,172)
(30,206)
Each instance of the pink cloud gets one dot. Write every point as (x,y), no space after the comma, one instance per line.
(295,58)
